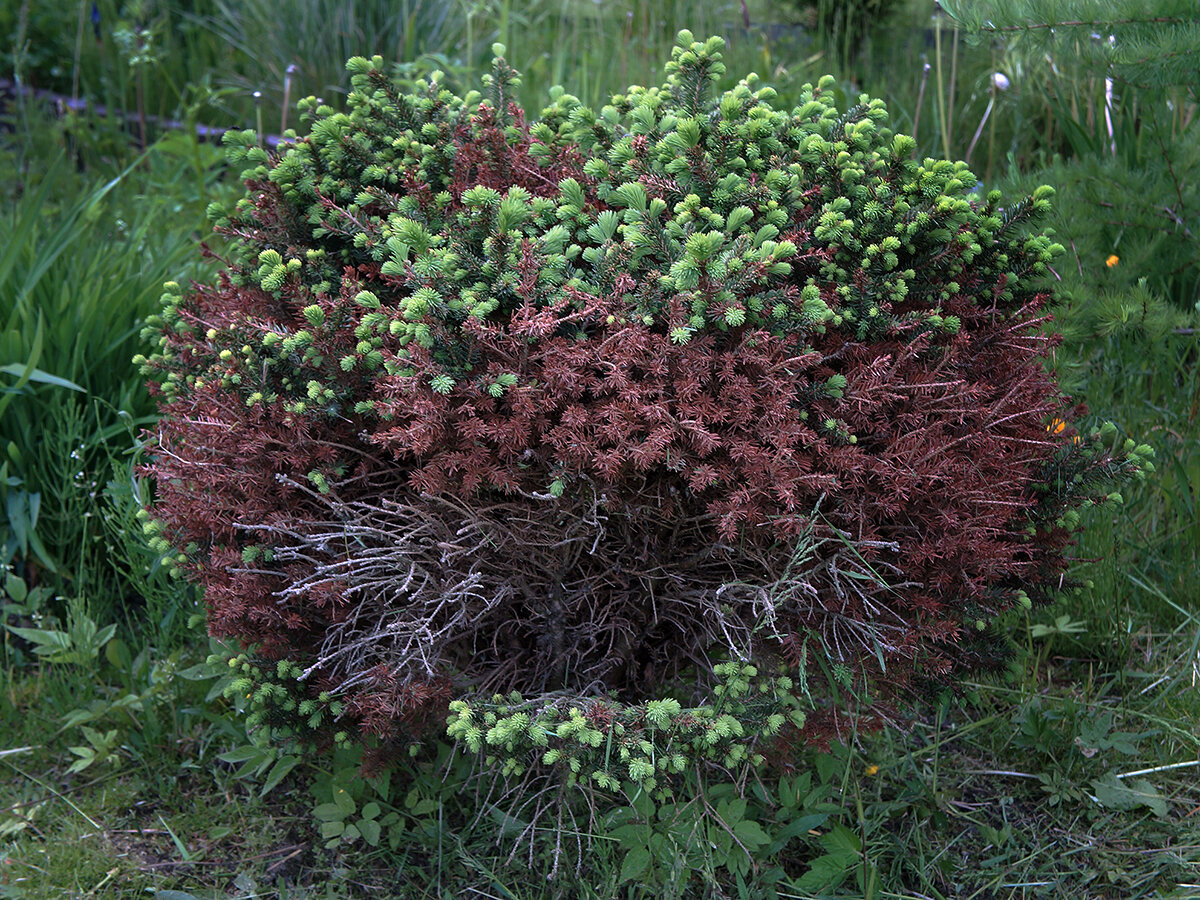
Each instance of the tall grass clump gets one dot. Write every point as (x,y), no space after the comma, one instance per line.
(73,402)
(217,62)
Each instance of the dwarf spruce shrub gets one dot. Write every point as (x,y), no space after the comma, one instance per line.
(564,427)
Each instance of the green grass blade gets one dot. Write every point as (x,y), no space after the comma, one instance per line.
(26,371)
(37,375)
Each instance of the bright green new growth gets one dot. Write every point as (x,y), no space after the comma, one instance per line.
(876,206)
(605,743)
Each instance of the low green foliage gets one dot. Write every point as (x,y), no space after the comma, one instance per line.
(714,833)
(78,644)
(647,744)
(72,398)
(21,604)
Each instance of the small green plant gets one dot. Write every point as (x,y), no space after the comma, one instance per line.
(352,809)
(77,643)
(1063,624)
(100,747)
(21,604)
(717,833)
(256,761)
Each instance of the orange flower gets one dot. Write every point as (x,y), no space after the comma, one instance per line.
(1058,426)
(1112,260)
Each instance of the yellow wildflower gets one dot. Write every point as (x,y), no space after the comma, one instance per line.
(872,769)
(1112,260)
(1058,426)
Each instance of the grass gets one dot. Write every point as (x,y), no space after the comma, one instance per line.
(1021,787)
(83,263)
(1071,774)
(112,839)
